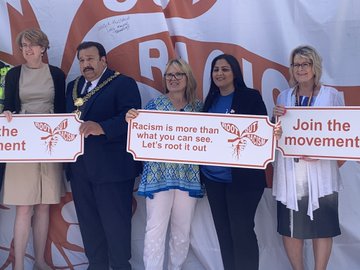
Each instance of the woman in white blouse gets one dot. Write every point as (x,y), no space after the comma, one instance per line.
(307,189)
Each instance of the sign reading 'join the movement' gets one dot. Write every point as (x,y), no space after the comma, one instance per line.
(40,138)
(321,132)
(202,138)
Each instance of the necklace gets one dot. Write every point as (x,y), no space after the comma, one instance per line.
(298,103)
(79,102)
(297,97)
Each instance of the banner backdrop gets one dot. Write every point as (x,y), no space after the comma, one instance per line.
(140,37)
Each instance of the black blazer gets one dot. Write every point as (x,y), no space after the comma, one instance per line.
(105,157)
(245,101)
(12,99)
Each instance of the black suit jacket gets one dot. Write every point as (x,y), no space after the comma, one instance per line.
(12,100)
(105,157)
(245,101)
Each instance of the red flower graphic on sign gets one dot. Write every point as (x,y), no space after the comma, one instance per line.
(240,140)
(52,139)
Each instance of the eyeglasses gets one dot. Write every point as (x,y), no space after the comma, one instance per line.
(30,45)
(305,65)
(177,75)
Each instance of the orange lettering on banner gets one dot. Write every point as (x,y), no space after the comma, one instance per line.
(6,132)
(331,125)
(334,125)
(186,129)
(184,141)
(11,146)
(14,146)
(307,125)
(323,142)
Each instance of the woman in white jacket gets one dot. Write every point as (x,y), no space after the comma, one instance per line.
(307,189)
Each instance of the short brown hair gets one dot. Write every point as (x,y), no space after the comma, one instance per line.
(35,36)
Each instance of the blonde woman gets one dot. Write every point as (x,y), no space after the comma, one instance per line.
(171,189)
(307,189)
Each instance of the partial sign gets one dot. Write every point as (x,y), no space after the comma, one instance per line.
(202,138)
(321,132)
(40,138)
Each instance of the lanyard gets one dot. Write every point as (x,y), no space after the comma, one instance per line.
(297,97)
(298,103)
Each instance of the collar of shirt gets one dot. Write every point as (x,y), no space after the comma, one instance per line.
(94,82)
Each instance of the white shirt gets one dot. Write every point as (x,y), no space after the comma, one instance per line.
(93,83)
(322,175)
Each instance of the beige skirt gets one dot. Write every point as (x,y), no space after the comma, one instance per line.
(33,183)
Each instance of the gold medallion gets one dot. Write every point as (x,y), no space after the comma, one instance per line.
(79,102)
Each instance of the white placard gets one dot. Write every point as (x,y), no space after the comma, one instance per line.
(40,138)
(321,132)
(202,138)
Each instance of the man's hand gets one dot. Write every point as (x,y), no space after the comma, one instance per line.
(91,128)
(8,115)
(131,114)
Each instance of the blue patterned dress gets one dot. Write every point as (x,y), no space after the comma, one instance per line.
(159,176)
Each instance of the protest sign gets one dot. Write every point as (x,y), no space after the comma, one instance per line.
(40,138)
(321,132)
(202,138)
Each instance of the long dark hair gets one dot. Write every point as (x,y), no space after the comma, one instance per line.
(238,78)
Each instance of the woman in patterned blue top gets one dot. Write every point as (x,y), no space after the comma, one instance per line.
(170,189)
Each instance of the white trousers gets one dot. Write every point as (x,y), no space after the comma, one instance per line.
(178,207)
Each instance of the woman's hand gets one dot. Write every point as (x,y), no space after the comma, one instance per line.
(131,114)
(279,110)
(8,115)
(278,130)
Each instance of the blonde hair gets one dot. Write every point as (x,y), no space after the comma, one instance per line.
(308,52)
(35,36)
(190,91)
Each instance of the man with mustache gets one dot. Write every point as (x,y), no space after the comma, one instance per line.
(102,179)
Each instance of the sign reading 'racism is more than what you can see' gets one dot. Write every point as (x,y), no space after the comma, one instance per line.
(202,138)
